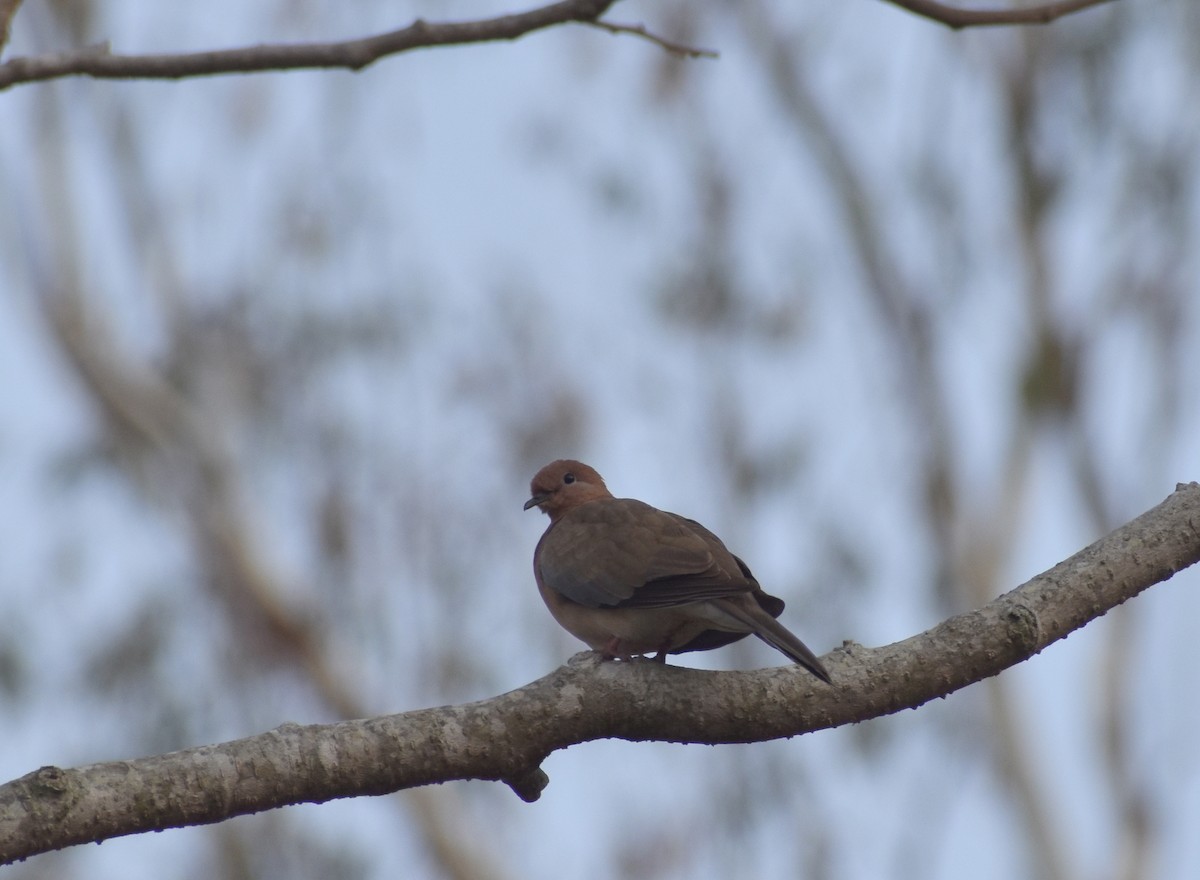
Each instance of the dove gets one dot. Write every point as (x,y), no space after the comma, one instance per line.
(629,579)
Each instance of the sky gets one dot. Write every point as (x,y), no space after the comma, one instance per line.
(789,292)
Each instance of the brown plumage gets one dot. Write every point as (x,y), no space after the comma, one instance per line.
(627,578)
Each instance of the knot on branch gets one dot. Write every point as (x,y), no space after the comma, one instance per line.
(48,792)
(1023,628)
(529,785)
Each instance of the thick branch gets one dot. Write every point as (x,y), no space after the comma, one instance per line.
(507,737)
(97,61)
(957,18)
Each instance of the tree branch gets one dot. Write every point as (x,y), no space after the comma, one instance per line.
(99,62)
(956,18)
(507,737)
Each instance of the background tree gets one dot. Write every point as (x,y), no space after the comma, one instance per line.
(905,315)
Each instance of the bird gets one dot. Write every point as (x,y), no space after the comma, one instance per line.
(629,579)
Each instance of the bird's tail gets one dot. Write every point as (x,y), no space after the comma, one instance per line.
(775,634)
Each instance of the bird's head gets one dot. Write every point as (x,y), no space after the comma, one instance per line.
(563,485)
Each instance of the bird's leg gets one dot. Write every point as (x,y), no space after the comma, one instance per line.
(661,656)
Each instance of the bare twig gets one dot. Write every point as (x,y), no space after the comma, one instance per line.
(956,18)
(350,54)
(506,738)
(639,30)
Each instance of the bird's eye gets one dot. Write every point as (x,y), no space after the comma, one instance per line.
(568,478)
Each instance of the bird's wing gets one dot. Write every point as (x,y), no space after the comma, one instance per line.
(623,553)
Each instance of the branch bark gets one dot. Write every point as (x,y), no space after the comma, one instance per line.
(507,737)
(100,63)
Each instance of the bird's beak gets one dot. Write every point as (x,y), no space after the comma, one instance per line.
(535,501)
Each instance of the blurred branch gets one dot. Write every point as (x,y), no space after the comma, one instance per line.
(507,737)
(1046,387)
(8,8)
(1010,738)
(139,402)
(155,418)
(986,549)
(99,62)
(907,321)
(956,18)
(142,404)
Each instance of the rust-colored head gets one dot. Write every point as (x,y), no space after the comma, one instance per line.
(563,485)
